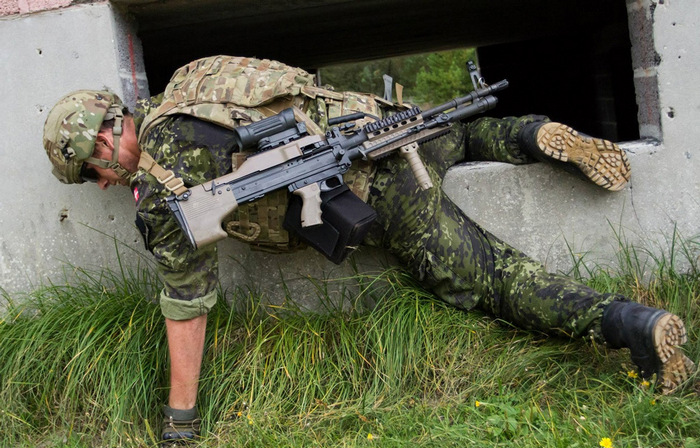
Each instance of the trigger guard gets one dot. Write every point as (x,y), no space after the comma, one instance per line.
(331,183)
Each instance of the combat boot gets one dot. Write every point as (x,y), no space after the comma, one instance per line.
(653,337)
(599,160)
(180,427)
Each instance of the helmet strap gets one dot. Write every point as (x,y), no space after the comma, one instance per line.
(115,113)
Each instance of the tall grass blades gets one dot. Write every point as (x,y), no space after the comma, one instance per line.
(84,364)
(87,357)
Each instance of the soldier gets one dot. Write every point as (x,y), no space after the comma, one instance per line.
(183,138)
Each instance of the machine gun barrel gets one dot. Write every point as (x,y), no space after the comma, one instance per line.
(471,97)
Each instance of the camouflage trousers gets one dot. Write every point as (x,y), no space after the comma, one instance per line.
(496,139)
(460,262)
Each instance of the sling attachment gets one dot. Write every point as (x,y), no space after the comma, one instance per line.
(165,177)
(254,230)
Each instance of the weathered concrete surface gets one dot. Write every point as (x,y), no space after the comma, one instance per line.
(47,226)
(557,218)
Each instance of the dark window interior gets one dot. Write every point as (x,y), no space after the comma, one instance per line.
(570,59)
(582,80)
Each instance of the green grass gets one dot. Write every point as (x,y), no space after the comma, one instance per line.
(84,364)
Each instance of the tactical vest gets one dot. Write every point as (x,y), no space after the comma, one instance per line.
(234,91)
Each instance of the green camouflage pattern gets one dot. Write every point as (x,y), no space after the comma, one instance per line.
(197,151)
(232,91)
(463,264)
(496,139)
(71,128)
(459,261)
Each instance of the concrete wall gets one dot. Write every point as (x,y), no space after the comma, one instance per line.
(47,226)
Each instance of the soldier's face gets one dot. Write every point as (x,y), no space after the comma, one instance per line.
(107,177)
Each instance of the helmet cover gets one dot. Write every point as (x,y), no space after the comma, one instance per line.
(71,129)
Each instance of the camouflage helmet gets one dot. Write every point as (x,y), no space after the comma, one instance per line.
(71,129)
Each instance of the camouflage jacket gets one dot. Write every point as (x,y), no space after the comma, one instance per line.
(197,151)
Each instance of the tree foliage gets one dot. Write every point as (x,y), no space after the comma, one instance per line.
(444,76)
(428,78)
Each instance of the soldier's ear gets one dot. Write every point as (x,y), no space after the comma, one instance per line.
(105,137)
(128,125)
(103,146)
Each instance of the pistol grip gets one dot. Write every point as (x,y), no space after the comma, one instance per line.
(311,205)
(410,153)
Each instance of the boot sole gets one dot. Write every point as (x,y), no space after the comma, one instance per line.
(668,334)
(602,161)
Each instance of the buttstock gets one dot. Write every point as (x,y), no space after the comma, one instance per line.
(203,212)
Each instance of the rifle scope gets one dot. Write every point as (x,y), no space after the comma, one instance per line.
(249,136)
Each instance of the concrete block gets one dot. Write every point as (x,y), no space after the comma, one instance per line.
(640,19)
(559,219)
(646,85)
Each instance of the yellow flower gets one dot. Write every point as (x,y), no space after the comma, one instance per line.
(370,436)
(239,413)
(646,384)
(605,442)
(477,403)
(632,374)
(653,402)
(250,420)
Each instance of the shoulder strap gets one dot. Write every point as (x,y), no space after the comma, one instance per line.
(165,177)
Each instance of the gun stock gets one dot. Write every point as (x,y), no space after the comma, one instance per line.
(200,216)
(201,210)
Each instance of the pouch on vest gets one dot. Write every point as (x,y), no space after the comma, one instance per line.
(346,221)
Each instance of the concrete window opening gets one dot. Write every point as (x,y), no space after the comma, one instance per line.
(571,60)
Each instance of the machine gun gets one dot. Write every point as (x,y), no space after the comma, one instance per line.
(289,157)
